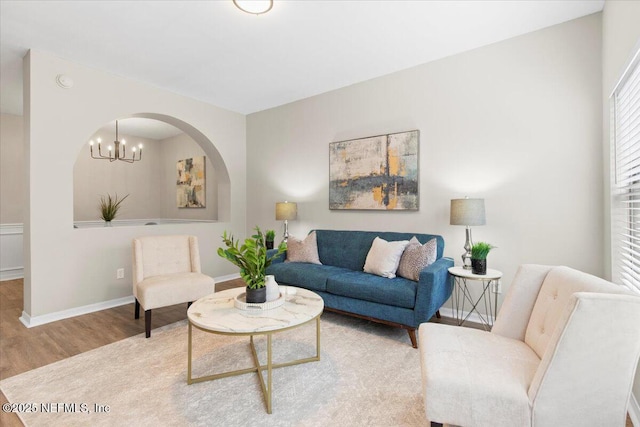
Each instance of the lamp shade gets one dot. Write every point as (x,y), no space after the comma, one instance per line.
(286,211)
(467,212)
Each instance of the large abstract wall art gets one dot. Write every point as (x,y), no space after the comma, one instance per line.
(191,183)
(375,173)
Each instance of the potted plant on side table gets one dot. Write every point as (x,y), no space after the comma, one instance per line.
(270,237)
(251,258)
(479,252)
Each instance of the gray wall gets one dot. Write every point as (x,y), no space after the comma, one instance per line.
(178,148)
(517,123)
(12,184)
(140,180)
(620,40)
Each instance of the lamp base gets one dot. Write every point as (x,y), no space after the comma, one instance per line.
(466,257)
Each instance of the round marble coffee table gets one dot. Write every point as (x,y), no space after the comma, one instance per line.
(217,314)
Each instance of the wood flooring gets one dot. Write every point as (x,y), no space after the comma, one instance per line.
(23,349)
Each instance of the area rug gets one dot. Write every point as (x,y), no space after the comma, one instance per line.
(368,375)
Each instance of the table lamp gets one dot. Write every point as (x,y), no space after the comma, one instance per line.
(467,212)
(286,211)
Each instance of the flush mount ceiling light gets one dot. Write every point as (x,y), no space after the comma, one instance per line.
(254,7)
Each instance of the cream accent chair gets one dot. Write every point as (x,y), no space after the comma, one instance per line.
(166,271)
(563,352)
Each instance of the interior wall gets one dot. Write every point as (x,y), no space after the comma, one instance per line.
(57,124)
(12,184)
(93,179)
(517,123)
(620,39)
(182,147)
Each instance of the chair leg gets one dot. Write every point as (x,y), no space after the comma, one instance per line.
(147,322)
(136,313)
(412,336)
(438,314)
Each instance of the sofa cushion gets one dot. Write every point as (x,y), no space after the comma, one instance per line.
(303,250)
(383,257)
(416,257)
(464,381)
(304,274)
(397,292)
(349,249)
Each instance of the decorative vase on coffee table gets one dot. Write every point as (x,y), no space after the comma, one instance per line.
(273,290)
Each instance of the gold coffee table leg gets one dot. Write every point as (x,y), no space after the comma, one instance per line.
(267,385)
(189,357)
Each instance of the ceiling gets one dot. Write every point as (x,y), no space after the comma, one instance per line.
(211,51)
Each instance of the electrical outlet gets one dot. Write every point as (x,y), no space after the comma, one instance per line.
(120,273)
(497,287)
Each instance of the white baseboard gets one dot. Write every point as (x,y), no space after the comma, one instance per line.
(11,273)
(473,317)
(227,277)
(30,321)
(634,411)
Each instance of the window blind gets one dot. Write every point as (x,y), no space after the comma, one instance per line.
(625,216)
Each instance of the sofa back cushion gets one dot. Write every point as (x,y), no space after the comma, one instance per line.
(553,298)
(349,249)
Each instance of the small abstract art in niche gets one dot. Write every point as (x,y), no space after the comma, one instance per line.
(375,173)
(191,183)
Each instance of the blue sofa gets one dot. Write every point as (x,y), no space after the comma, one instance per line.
(347,289)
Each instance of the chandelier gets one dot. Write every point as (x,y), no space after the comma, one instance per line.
(114,152)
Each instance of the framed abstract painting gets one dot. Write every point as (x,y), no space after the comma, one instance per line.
(191,183)
(375,173)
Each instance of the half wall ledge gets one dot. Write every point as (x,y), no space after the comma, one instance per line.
(138,222)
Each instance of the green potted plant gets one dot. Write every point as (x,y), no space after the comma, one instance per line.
(109,207)
(479,252)
(270,237)
(251,258)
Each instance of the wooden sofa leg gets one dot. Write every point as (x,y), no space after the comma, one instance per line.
(136,313)
(438,314)
(147,322)
(412,335)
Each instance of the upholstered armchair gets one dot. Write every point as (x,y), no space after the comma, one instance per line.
(166,271)
(563,352)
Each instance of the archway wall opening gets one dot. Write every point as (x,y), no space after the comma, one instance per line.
(152,194)
(67,269)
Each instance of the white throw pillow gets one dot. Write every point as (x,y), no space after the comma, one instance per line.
(383,257)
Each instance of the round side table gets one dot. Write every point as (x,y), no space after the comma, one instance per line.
(463,278)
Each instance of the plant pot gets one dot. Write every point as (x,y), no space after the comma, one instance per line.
(256,295)
(479,266)
(269,244)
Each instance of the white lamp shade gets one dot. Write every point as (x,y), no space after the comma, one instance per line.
(286,211)
(467,212)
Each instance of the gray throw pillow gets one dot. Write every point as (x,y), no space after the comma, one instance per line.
(416,257)
(303,250)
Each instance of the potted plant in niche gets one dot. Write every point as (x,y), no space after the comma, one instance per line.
(270,237)
(109,207)
(479,252)
(251,258)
